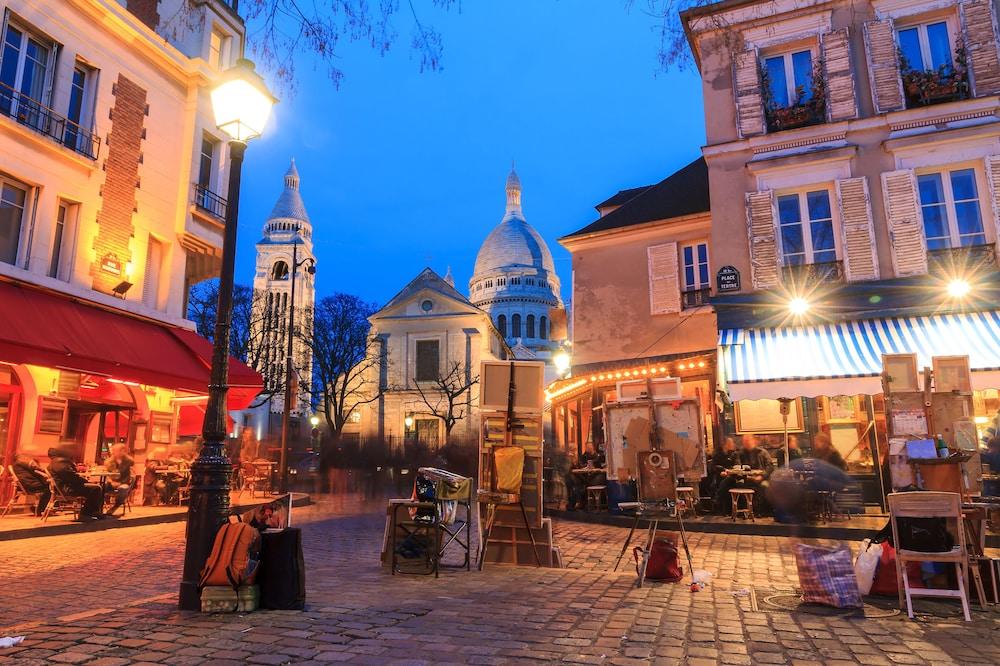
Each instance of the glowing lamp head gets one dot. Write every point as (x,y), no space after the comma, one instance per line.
(314,420)
(241,102)
(798,306)
(561,361)
(959,288)
(408,421)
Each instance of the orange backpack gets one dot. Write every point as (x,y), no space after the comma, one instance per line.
(234,558)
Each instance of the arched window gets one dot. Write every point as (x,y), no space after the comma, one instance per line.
(531,326)
(502,325)
(542,328)
(279,271)
(515,326)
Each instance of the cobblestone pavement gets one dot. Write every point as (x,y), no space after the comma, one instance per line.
(107,598)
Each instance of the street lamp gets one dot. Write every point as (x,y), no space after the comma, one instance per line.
(798,306)
(310,268)
(242,104)
(959,288)
(314,420)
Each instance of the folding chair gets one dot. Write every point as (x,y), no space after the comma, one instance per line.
(62,503)
(506,471)
(928,504)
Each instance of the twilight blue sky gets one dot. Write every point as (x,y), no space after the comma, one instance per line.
(402,170)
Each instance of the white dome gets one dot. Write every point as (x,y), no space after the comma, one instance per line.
(513,243)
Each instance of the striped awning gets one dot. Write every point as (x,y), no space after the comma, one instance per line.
(846,358)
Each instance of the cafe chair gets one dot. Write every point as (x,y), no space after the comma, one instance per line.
(506,472)
(930,504)
(687,500)
(742,502)
(19,494)
(62,503)
(597,497)
(253,479)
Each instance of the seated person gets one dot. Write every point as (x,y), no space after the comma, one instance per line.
(157,488)
(724,458)
(71,483)
(120,465)
(756,459)
(823,450)
(991,457)
(34,480)
(576,483)
(794,452)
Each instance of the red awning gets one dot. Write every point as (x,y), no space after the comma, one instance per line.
(191,419)
(57,331)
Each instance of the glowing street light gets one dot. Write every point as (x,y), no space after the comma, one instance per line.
(959,288)
(408,422)
(798,306)
(561,361)
(314,420)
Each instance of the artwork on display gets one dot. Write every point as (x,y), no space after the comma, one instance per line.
(951,374)
(901,372)
(764,416)
(842,409)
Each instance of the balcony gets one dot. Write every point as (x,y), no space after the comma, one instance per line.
(694,298)
(65,132)
(958,260)
(792,117)
(811,274)
(210,202)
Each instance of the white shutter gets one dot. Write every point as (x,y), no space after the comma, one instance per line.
(764,260)
(979,23)
(747,89)
(993,178)
(841,102)
(857,233)
(883,66)
(664,286)
(906,227)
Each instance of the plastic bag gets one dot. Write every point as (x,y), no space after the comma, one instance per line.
(866,564)
(827,577)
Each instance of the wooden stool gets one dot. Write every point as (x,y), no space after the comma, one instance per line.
(598,495)
(686,495)
(745,511)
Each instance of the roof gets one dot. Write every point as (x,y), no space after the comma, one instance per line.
(622,196)
(290,204)
(684,192)
(427,279)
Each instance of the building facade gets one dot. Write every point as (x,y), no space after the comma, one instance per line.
(515,282)
(853,152)
(641,276)
(110,168)
(432,342)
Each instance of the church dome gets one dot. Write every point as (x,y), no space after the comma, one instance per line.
(290,205)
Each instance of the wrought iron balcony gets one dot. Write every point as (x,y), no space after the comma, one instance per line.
(967,257)
(210,202)
(42,119)
(694,298)
(805,274)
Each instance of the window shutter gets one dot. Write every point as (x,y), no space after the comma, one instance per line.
(664,289)
(747,88)
(979,23)
(841,99)
(883,66)
(906,228)
(993,178)
(858,236)
(764,258)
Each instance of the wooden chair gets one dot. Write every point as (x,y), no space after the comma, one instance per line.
(687,501)
(929,504)
(742,502)
(506,471)
(253,479)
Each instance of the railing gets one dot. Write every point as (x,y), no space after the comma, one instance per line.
(695,298)
(30,113)
(804,274)
(970,256)
(209,201)
(791,117)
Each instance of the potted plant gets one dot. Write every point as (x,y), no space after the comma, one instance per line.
(947,83)
(801,111)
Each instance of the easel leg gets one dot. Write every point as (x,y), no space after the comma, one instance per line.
(491,512)
(531,536)
(628,540)
(646,551)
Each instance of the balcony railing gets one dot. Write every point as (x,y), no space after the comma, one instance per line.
(961,258)
(806,274)
(209,201)
(40,118)
(694,298)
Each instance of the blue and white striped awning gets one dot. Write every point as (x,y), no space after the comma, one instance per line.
(846,358)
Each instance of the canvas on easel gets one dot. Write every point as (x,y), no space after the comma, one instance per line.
(657,476)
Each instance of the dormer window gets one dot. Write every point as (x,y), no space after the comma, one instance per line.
(279,271)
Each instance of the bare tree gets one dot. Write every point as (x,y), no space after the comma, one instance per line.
(449,395)
(345,359)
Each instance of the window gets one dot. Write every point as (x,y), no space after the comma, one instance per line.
(502,325)
(695,266)
(80,110)
(279,271)
(531,326)
(151,280)
(427,305)
(925,47)
(63,241)
(25,65)
(543,328)
(428,360)
(206,164)
(806,226)
(789,78)
(13,200)
(949,203)
(218,49)
(515,326)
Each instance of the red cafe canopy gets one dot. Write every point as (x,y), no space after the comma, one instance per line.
(58,331)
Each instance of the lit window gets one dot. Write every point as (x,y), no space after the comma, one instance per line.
(789,78)
(806,226)
(949,203)
(695,266)
(13,198)
(925,47)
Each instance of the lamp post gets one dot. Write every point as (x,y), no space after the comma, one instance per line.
(310,267)
(241,104)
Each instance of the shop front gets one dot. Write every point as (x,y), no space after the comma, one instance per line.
(830,376)
(80,377)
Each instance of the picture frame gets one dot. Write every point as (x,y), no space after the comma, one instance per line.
(952,374)
(841,409)
(900,372)
(763,417)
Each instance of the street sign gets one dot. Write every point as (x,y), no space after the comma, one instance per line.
(727,279)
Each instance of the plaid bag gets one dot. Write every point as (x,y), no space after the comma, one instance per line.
(826,576)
